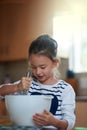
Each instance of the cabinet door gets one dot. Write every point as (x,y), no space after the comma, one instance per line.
(4,48)
(18,50)
(19,22)
(13,32)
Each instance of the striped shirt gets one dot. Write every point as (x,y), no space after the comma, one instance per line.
(63,102)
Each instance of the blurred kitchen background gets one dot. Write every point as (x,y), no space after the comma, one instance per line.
(22,21)
(66,20)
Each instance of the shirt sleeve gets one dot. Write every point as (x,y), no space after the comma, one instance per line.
(68,106)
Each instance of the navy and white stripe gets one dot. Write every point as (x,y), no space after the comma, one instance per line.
(63,103)
(58,91)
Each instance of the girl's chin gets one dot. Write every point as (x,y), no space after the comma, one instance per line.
(41,80)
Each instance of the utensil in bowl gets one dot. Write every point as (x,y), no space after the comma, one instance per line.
(28,74)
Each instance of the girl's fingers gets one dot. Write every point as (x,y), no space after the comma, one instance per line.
(46,112)
(25,83)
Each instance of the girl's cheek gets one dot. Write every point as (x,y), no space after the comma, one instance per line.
(33,71)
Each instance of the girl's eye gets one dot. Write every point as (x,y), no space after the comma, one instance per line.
(43,67)
(32,67)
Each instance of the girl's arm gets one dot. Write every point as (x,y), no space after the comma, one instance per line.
(18,86)
(8,89)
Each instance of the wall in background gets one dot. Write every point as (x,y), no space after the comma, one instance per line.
(15,70)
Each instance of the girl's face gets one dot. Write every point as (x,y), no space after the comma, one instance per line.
(42,68)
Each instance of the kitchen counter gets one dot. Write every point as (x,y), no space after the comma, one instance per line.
(22,128)
(5,124)
(80,111)
(5,121)
(81,98)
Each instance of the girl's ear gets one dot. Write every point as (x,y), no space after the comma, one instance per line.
(56,62)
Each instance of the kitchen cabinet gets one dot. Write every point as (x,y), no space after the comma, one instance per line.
(10,52)
(4,48)
(12,38)
(10,49)
(3,52)
(19,23)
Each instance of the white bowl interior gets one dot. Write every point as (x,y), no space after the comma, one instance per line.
(21,108)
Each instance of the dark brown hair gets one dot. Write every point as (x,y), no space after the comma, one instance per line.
(44,45)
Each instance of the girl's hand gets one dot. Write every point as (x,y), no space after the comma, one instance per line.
(44,119)
(24,83)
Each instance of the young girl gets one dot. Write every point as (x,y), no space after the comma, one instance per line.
(44,63)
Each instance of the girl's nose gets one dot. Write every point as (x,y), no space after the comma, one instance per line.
(38,71)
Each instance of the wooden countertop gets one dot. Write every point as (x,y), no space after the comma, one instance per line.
(5,121)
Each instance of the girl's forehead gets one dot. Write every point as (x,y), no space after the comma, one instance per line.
(38,56)
(39,59)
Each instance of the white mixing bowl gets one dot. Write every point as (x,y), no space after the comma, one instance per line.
(21,108)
